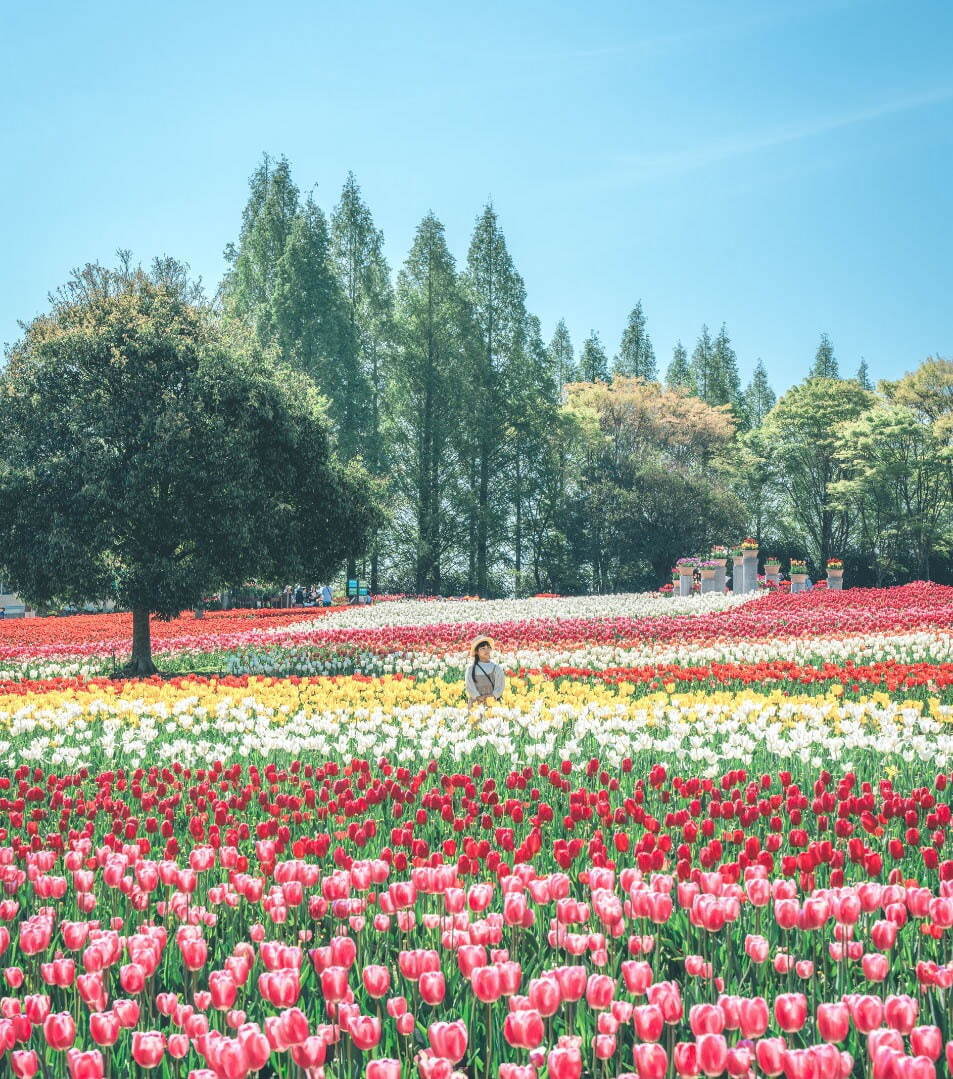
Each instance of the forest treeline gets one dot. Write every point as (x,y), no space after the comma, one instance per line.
(508,463)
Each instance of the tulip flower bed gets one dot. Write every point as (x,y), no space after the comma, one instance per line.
(699,837)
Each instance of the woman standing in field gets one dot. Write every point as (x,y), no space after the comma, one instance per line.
(484,679)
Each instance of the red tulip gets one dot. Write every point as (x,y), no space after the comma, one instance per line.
(706,1019)
(637,975)
(875,966)
(486,983)
(148,1048)
(866,1012)
(926,1042)
(59,1030)
(833,1022)
(448,1040)
(383,1068)
(790,1011)
(651,1061)
(685,1059)
(222,989)
(648,1020)
(523,1028)
(712,1053)
(104,1028)
(25,1063)
(432,987)
(753,1016)
(376,980)
(564,1063)
(600,989)
(770,1054)
(900,1012)
(85,1065)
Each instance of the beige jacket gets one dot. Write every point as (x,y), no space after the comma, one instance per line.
(484,680)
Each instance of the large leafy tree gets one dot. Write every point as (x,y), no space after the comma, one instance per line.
(653,486)
(895,484)
(150,451)
(801,434)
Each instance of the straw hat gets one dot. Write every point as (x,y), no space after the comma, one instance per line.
(477,641)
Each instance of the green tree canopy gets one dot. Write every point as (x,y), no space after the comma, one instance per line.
(150,451)
(801,434)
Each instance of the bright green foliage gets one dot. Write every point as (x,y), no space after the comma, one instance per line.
(896,485)
(801,433)
(150,452)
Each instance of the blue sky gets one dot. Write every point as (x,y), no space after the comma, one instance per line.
(784,167)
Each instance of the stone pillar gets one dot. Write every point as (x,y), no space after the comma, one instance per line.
(772,572)
(835,579)
(798,581)
(685,580)
(737,575)
(709,582)
(721,574)
(750,570)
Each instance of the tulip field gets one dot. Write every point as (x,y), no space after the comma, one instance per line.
(701,836)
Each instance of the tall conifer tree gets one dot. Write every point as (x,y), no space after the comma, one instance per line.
(357,246)
(825,363)
(705,380)
(759,397)
(593,361)
(679,373)
(562,360)
(497,299)
(426,399)
(636,356)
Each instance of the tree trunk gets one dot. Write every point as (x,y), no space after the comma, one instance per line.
(140,663)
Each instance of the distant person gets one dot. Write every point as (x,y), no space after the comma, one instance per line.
(484,679)
(325,595)
(3,612)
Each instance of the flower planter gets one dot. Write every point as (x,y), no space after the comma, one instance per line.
(772,572)
(835,579)
(709,581)
(798,582)
(721,574)
(685,581)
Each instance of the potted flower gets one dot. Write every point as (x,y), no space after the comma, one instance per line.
(685,569)
(749,544)
(835,573)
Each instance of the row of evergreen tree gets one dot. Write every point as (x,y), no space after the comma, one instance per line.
(439,380)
